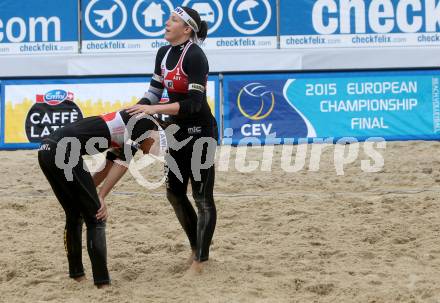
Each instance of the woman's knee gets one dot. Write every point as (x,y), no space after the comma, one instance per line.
(175,198)
(204,202)
(92,222)
(73,219)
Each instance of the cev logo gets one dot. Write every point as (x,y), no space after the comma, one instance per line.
(249,17)
(255,94)
(209,11)
(103,18)
(154,16)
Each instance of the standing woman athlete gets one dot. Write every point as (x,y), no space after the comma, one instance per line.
(61,162)
(182,68)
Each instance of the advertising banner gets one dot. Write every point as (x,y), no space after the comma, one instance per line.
(1,115)
(38,27)
(238,24)
(139,25)
(32,109)
(392,105)
(363,23)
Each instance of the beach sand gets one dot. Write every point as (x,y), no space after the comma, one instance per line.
(305,236)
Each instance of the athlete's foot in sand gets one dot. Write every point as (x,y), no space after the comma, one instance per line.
(196,268)
(191,257)
(102,286)
(79,279)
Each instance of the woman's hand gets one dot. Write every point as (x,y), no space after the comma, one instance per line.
(141,109)
(102,213)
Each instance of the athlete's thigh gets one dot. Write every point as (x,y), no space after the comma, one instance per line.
(203,186)
(183,161)
(63,189)
(202,179)
(87,196)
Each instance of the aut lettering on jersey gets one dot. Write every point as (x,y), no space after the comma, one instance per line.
(44,147)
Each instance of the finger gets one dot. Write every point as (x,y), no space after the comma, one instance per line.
(137,111)
(102,216)
(134,112)
(99,213)
(131,108)
(105,213)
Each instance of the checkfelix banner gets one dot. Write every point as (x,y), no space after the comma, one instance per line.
(238,24)
(139,25)
(362,23)
(273,108)
(38,27)
(32,109)
(116,25)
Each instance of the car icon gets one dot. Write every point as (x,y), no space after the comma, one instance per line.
(205,11)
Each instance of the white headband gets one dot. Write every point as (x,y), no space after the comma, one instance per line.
(187,18)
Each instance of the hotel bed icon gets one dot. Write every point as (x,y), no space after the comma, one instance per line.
(205,10)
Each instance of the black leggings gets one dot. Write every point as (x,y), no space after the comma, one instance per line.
(80,201)
(199,228)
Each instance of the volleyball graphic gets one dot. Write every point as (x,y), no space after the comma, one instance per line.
(255,101)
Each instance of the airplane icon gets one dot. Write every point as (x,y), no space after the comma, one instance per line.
(107,16)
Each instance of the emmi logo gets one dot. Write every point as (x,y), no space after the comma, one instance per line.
(17,30)
(256,102)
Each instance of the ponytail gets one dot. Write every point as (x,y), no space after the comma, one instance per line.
(203,31)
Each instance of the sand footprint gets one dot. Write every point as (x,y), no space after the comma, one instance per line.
(322,289)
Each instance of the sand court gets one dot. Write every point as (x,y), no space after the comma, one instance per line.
(305,236)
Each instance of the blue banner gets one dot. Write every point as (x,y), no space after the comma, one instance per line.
(363,23)
(2,114)
(392,105)
(138,25)
(213,92)
(38,27)
(238,23)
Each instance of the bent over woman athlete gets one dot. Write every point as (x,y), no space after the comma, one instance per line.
(74,187)
(182,68)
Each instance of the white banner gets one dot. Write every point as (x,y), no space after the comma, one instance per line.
(360,40)
(36,48)
(117,46)
(241,43)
